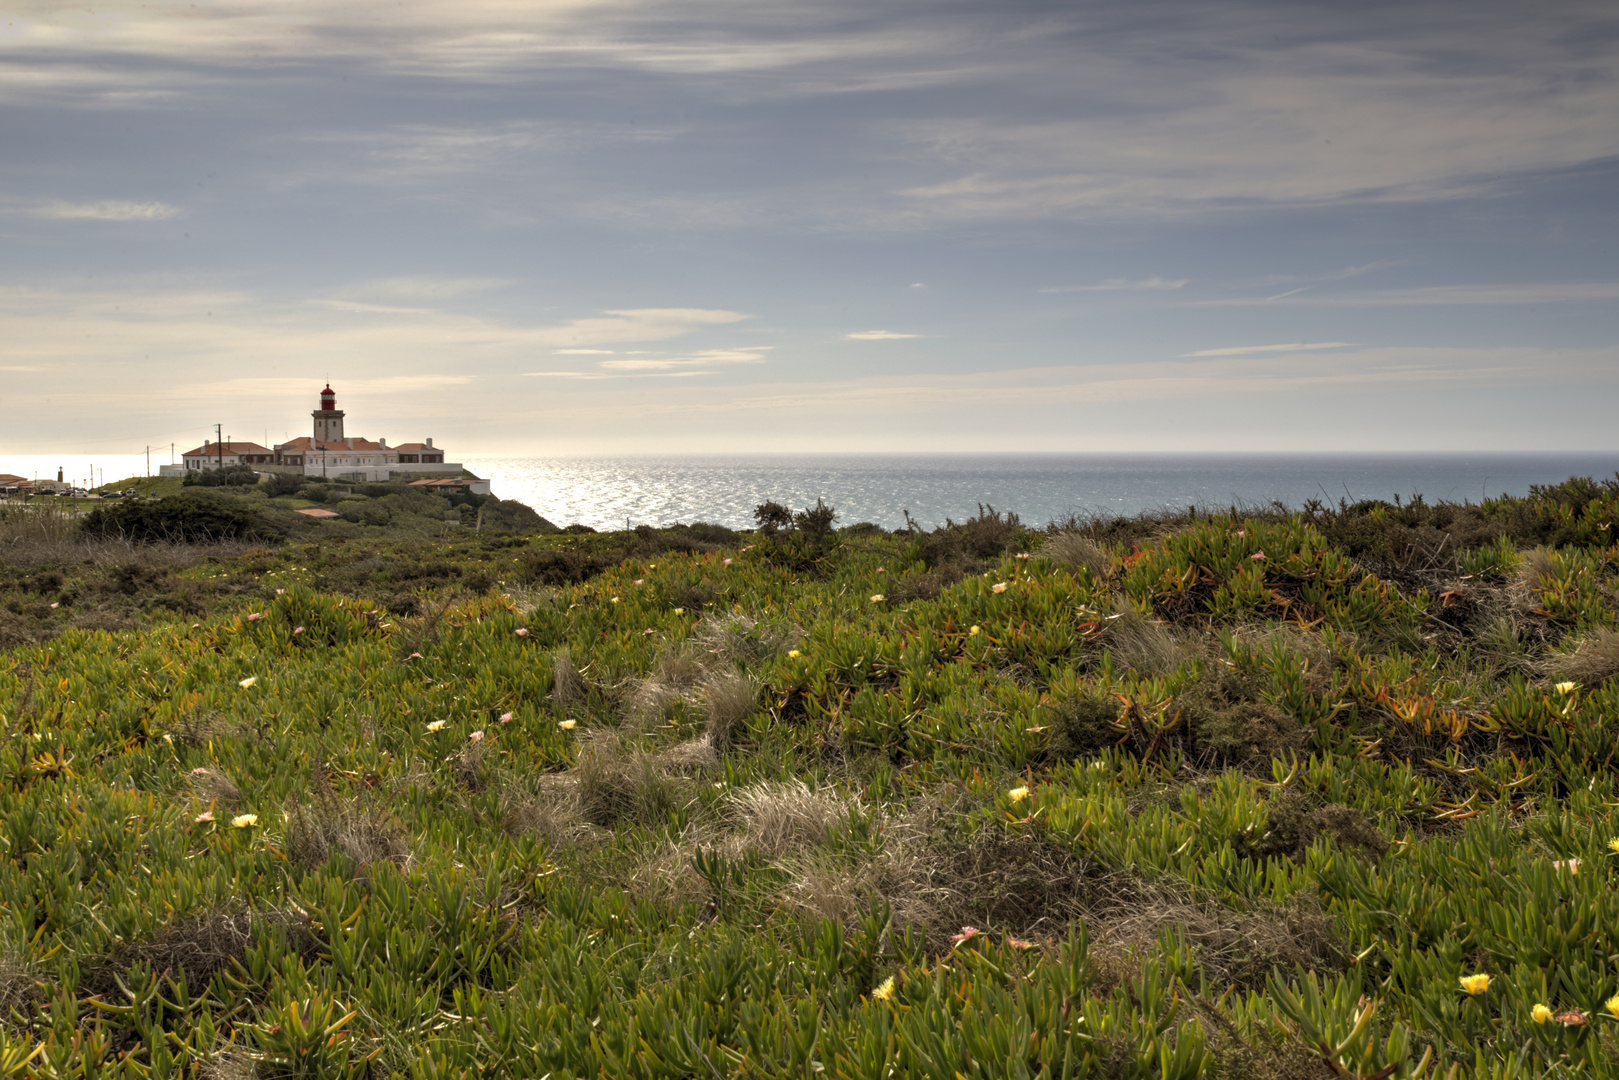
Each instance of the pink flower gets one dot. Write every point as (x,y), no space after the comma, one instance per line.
(880,570)
(1260,555)
(522,632)
(254,615)
(414,656)
(505,718)
(1019,943)
(278,592)
(199,771)
(297,630)
(638,581)
(728,562)
(1242,532)
(476,736)
(1023,555)
(206,815)
(966,935)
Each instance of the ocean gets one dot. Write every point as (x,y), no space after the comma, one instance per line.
(610,492)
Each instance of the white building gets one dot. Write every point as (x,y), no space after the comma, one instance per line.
(327,452)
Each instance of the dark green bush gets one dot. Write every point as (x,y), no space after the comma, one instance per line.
(229,476)
(280,485)
(511,516)
(176,519)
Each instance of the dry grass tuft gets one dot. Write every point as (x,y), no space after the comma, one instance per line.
(1533,566)
(551,810)
(1593,661)
(468,766)
(739,640)
(568,687)
(779,820)
(360,830)
(618,783)
(19,983)
(692,758)
(214,787)
(200,946)
(727,697)
(1077,553)
(650,700)
(1142,644)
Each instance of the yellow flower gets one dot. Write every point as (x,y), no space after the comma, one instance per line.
(1612,1005)
(1540,1014)
(1613,845)
(794,653)
(680,611)
(972,631)
(999,586)
(567,725)
(249,681)
(436,725)
(1565,687)
(615,599)
(242,821)
(1475,984)
(1018,794)
(876,598)
(885,990)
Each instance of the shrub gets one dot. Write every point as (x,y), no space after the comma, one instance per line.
(511,516)
(280,485)
(229,476)
(175,519)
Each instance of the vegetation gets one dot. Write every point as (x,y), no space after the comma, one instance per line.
(1236,794)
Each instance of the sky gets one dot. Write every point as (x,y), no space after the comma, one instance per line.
(582,226)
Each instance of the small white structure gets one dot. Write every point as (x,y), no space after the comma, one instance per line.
(327,452)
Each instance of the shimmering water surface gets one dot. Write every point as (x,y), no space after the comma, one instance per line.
(610,492)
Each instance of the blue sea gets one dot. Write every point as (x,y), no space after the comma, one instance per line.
(608,493)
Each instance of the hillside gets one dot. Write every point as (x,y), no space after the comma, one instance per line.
(1260,793)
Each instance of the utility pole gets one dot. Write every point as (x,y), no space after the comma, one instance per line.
(220,445)
(148,461)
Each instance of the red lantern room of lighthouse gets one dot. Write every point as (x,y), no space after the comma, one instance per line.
(328,418)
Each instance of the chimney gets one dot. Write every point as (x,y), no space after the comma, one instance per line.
(383,443)
(430,444)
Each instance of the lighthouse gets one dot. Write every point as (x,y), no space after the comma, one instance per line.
(328,418)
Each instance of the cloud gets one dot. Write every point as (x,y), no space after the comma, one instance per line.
(879,335)
(752,354)
(1119,283)
(426,287)
(1249,350)
(585,352)
(106,210)
(1438,295)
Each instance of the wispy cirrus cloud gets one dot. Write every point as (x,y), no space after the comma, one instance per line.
(1115,284)
(879,335)
(1422,296)
(1251,350)
(104,210)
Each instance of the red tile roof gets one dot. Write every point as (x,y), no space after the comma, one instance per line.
(230,448)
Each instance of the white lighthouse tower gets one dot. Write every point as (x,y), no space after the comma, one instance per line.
(328,418)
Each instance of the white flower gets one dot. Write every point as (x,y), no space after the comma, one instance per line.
(249,681)
(567,725)
(436,725)
(243,821)
(999,586)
